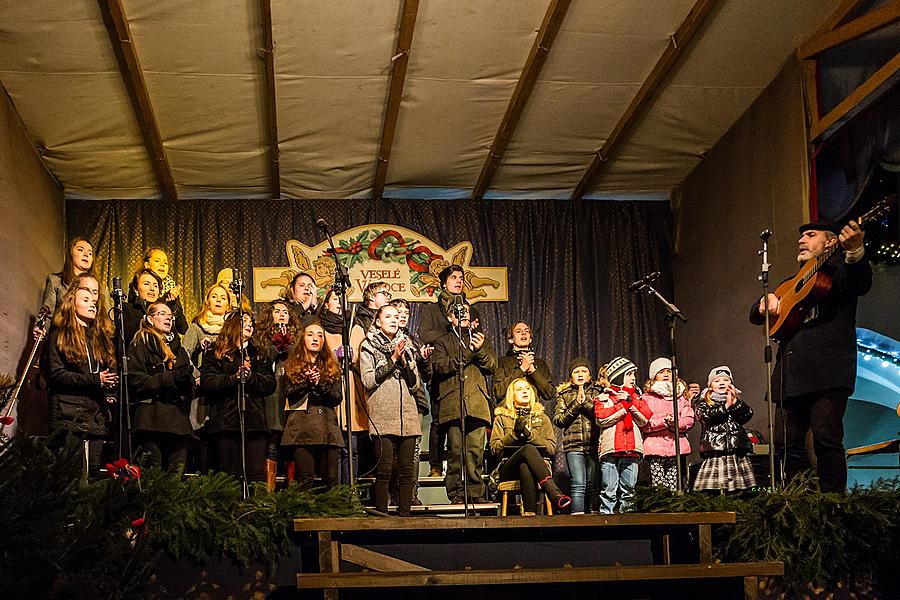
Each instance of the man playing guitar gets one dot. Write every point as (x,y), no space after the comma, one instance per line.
(815,369)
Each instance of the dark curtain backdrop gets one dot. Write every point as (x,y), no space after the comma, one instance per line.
(570,263)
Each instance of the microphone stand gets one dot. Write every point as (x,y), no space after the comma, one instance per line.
(672,312)
(237,286)
(460,310)
(123,433)
(767,353)
(6,420)
(341,286)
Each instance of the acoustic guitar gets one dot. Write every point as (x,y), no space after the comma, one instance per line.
(808,287)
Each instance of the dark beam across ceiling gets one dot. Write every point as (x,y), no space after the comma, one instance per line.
(553,18)
(395,95)
(133,77)
(268,55)
(635,111)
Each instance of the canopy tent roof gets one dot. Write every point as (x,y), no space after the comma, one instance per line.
(202,65)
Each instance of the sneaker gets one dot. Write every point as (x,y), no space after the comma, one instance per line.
(435,472)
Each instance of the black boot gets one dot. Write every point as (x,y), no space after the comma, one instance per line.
(556,496)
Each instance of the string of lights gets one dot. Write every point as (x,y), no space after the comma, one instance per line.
(869,353)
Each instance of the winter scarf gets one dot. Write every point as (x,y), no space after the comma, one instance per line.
(633,396)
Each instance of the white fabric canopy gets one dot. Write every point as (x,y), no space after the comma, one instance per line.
(205,77)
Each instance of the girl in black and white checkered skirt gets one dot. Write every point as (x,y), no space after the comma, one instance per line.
(724,444)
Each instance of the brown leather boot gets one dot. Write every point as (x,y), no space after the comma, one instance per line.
(290,471)
(271,468)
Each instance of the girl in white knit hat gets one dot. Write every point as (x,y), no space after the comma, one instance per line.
(724,444)
(659,432)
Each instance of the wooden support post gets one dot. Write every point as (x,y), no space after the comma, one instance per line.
(705,542)
(751,588)
(666,549)
(329,561)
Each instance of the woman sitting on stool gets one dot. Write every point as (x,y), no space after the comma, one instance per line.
(523,434)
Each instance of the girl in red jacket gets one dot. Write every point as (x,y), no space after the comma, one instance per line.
(620,413)
(659,432)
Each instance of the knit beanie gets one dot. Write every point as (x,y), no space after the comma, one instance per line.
(617,368)
(579,361)
(719,372)
(658,365)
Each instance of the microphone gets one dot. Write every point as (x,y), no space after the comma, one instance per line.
(766,234)
(237,285)
(117,293)
(322,224)
(646,280)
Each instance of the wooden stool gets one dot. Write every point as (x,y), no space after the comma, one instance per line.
(505,487)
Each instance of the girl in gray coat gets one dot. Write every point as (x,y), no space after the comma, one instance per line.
(388,372)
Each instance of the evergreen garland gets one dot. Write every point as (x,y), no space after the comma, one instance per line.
(64,537)
(826,541)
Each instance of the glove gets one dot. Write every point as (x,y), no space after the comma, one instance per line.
(519,428)
(281,340)
(184,377)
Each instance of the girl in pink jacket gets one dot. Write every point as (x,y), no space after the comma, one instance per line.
(659,432)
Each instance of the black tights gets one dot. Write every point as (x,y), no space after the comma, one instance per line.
(164,450)
(405,449)
(528,467)
(316,460)
(226,447)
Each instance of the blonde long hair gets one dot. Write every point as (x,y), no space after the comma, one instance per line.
(508,407)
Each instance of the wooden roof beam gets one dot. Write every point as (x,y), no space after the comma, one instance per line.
(268,56)
(133,77)
(839,14)
(553,19)
(871,21)
(632,115)
(395,95)
(850,106)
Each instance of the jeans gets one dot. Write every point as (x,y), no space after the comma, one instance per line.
(822,412)
(619,476)
(583,472)
(344,464)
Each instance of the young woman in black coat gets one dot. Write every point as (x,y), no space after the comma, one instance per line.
(219,382)
(313,392)
(161,379)
(80,366)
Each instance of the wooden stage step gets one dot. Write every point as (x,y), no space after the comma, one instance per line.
(537,576)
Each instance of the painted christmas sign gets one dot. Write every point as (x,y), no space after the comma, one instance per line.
(408,262)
